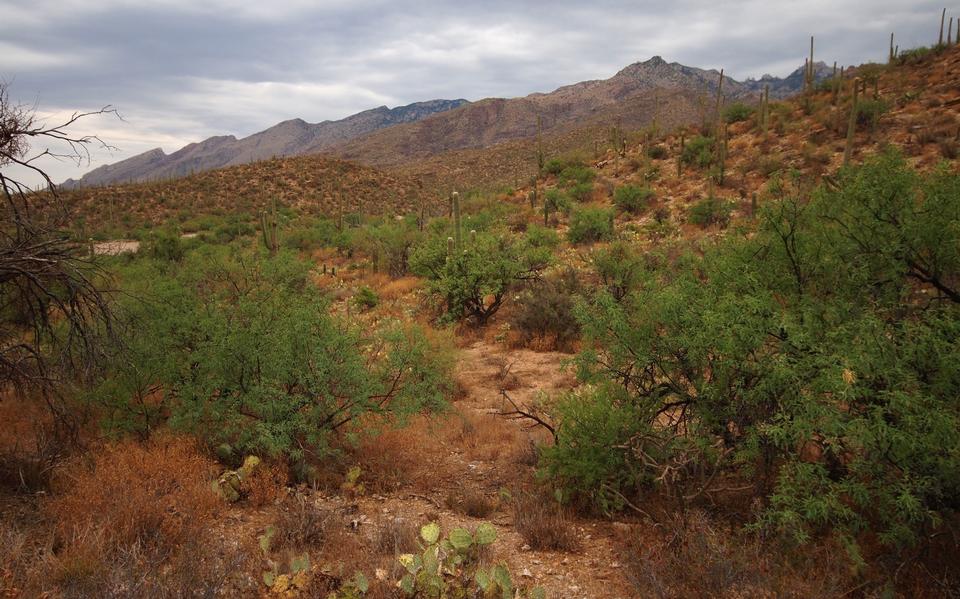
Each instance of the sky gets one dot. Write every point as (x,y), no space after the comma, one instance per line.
(179,71)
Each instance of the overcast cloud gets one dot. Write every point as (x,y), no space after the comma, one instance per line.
(182,70)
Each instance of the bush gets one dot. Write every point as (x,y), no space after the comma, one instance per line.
(710,211)
(869,112)
(366,298)
(698,152)
(805,362)
(589,225)
(542,237)
(546,312)
(619,267)
(488,268)
(164,245)
(657,152)
(581,192)
(246,373)
(737,112)
(577,174)
(632,198)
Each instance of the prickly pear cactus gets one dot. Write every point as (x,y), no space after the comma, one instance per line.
(450,567)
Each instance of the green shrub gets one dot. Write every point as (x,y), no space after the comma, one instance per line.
(163,245)
(248,354)
(581,192)
(577,174)
(657,152)
(589,225)
(541,237)
(619,267)
(737,112)
(710,211)
(698,152)
(632,198)
(870,110)
(366,298)
(545,311)
(489,266)
(811,354)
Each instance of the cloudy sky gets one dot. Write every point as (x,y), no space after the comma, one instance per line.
(182,70)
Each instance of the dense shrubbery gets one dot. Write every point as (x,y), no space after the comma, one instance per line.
(589,225)
(710,211)
(698,152)
(545,312)
(814,362)
(632,198)
(241,350)
(737,112)
(474,282)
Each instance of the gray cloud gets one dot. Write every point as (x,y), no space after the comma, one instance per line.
(180,70)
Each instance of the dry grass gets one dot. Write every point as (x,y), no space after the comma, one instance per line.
(543,523)
(126,520)
(301,525)
(266,485)
(398,288)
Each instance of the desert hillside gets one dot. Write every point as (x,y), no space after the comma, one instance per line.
(685,343)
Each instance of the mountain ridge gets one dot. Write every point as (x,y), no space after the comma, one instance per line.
(637,95)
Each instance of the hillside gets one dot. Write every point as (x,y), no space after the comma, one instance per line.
(311,184)
(635,96)
(294,137)
(670,93)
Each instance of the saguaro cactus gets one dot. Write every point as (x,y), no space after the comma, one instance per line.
(270,228)
(765,108)
(892,57)
(852,125)
(943,17)
(719,99)
(837,81)
(456,223)
(540,157)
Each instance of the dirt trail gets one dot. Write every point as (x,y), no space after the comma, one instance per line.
(593,572)
(470,449)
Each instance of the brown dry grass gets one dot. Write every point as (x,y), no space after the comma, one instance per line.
(266,485)
(126,519)
(543,523)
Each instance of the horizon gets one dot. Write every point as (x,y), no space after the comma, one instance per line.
(218,70)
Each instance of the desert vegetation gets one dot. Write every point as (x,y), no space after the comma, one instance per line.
(716,360)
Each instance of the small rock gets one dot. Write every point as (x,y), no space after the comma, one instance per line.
(525,547)
(526,573)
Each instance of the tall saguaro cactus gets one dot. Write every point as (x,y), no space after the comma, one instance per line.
(270,228)
(458,236)
(540,157)
(719,99)
(765,108)
(943,17)
(852,125)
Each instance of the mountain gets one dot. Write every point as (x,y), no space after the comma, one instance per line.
(670,93)
(654,90)
(289,138)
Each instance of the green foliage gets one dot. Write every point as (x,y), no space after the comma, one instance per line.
(818,353)
(247,354)
(164,245)
(657,152)
(869,111)
(545,311)
(366,298)
(698,152)
(581,192)
(710,211)
(577,174)
(541,237)
(632,198)
(556,200)
(555,166)
(389,245)
(619,267)
(737,112)
(589,225)
(451,567)
(475,282)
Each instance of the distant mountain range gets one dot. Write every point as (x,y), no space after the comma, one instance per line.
(670,93)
